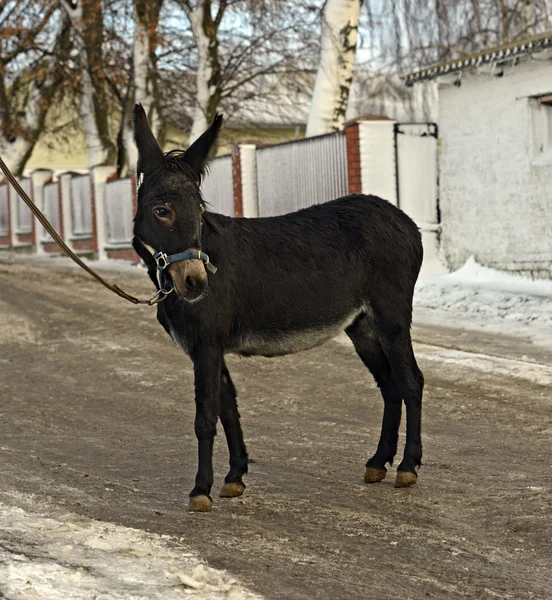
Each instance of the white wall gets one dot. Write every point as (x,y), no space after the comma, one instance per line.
(496,203)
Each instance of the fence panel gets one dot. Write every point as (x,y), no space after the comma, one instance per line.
(51,208)
(298,174)
(217,188)
(119,211)
(24,214)
(81,205)
(4,210)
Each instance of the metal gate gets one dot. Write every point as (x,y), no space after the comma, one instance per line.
(416,172)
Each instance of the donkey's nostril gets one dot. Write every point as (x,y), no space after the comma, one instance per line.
(191,283)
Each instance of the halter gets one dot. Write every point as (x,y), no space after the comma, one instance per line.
(162,261)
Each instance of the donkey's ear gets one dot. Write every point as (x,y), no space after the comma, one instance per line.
(150,155)
(199,154)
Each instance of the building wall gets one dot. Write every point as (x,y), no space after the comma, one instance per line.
(496,203)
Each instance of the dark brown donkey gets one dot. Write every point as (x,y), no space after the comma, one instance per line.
(283,284)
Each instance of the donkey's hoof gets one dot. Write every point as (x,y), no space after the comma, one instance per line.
(372,474)
(232,490)
(405,479)
(200,504)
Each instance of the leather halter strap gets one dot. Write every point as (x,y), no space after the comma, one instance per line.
(162,261)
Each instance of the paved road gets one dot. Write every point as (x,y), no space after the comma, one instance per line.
(96,415)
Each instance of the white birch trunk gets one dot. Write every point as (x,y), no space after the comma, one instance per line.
(335,72)
(97,153)
(204,73)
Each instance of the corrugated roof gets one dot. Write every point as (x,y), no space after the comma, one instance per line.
(497,54)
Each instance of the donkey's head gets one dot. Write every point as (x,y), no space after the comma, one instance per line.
(170,206)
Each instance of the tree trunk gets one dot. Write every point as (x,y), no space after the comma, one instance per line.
(87,19)
(146,80)
(335,72)
(209,70)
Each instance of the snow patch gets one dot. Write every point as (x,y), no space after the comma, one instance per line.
(483,363)
(64,556)
(472,274)
(479,298)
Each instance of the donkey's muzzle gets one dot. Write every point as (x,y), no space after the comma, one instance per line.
(189,278)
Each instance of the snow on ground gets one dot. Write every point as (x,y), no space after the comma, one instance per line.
(522,368)
(480,298)
(62,556)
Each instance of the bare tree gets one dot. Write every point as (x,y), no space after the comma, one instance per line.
(240,50)
(34,45)
(335,72)
(88,24)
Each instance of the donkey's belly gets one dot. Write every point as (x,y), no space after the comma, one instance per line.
(277,343)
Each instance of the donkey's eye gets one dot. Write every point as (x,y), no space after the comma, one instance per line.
(162,211)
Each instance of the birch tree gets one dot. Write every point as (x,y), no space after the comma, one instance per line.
(340,20)
(87,20)
(34,44)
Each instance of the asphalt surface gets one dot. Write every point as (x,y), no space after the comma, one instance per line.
(96,416)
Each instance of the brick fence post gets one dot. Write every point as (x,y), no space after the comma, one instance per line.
(39,178)
(244,180)
(378,168)
(237,182)
(248,161)
(12,202)
(98,178)
(353,158)
(66,214)
(6,241)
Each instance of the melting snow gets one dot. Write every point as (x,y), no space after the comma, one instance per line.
(66,557)
(480,298)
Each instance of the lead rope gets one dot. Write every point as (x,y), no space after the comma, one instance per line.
(57,238)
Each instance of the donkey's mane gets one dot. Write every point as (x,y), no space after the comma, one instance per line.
(174,161)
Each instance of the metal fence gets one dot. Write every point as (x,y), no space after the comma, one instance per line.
(81,206)
(119,211)
(298,174)
(24,215)
(4,210)
(50,206)
(217,188)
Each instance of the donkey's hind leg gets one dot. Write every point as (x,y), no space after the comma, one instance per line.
(368,347)
(394,337)
(230,418)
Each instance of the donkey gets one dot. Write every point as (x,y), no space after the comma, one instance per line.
(280,285)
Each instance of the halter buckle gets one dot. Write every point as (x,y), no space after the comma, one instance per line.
(161,256)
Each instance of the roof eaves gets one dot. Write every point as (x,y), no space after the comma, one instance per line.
(496,54)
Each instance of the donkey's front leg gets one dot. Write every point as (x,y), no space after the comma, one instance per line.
(230,418)
(207,371)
